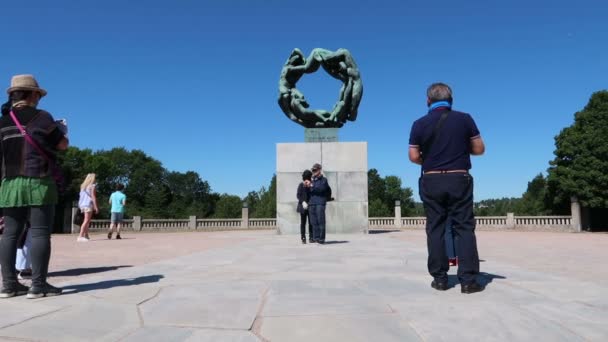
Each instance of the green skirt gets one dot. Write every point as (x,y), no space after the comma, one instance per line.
(27,192)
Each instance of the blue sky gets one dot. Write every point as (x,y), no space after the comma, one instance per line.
(194,83)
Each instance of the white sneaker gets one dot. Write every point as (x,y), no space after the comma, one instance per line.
(82,239)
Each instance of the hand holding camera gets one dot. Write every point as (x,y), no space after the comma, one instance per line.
(62,124)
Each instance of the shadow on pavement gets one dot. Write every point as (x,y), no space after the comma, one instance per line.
(383,231)
(109,284)
(86,270)
(483,279)
(334,242)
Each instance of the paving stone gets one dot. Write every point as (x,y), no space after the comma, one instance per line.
(98,322)
(352,328)
(222,305)
(368,287)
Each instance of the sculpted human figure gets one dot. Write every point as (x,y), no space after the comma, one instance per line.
(338,64)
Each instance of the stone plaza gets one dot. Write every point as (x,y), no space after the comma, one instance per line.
(260,286)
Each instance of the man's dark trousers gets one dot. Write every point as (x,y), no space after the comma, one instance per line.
(317,219)
(443,195)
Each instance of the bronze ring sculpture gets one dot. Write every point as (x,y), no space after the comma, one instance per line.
(340,65)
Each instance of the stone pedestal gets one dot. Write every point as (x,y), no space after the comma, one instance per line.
(344,165)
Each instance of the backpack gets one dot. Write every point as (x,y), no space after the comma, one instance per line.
(328,194)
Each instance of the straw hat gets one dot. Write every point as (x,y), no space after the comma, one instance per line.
(25,82)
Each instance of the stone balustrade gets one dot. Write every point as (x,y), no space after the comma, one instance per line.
(540,223)
(537,223)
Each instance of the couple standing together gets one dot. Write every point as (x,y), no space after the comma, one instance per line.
(313,194)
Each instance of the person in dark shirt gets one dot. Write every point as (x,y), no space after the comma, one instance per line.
(442,142)
(303,195)
(319,189)
(28,192)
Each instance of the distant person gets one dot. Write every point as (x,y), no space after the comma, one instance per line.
(303,198)
(319,193)
(450,244)
(118,200)
(30,140)
(87,203)
(442,142)
(23,263)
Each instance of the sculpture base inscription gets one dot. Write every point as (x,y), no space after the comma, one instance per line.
(320,135)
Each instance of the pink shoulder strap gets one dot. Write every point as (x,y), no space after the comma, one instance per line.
(29,138)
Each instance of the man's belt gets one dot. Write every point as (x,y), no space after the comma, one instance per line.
(445,171)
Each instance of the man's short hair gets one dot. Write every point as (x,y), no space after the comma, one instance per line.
(439,92)
(119,187)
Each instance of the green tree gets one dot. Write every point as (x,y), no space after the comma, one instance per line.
(189,194)
(152,191)
(496,206)
(418,209)
(252,200)
(533,200)
(156,204)
(383,192)
(375,186)
(228,206)
(581,158)
(267,205)
(394,191)
(377,208)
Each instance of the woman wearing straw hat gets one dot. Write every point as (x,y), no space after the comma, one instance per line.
(30,140)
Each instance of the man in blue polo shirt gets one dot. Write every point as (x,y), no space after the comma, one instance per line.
(442,142)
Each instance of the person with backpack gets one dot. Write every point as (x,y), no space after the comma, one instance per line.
(319,194)
(30,140)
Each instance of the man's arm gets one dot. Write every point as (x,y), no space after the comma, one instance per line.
(477,146)
(415,156)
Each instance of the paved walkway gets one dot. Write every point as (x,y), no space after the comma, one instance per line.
(257,286)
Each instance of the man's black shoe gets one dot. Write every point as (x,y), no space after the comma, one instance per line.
(321,242)
(118,237)
(439,286)
(47,290)
(304,241)
(17,290)
(471,288)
